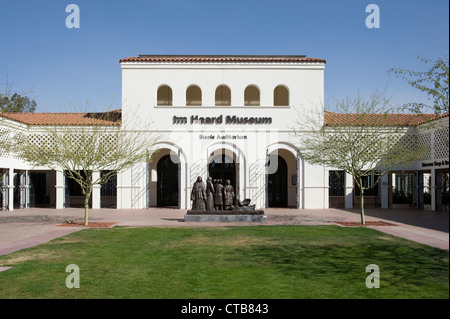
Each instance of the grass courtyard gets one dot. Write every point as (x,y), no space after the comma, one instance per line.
(289,262)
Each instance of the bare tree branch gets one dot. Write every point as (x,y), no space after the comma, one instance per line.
(78,151)
(360,139)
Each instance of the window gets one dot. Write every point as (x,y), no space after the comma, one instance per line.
(164,95)
(194,96)
(251,96)
(223,96)
(336,181)
(281,96)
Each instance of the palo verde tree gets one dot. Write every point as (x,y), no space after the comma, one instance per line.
(98,144)
(433,82)
(363,138)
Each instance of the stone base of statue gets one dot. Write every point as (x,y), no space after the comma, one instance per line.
(225,216)
(224,212)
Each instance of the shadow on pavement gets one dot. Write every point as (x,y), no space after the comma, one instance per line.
(435,220)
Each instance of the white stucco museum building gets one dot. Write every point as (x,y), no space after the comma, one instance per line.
(230,118)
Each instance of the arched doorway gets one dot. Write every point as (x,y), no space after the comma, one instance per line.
(167,182)
(278,184)
(223,167)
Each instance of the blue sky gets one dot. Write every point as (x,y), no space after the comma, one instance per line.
(60,66)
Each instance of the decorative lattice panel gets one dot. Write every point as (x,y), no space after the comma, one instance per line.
(441,143)
(424,143)
(43,140)
(10,142)
(75,140)
(3,141)
(409,141)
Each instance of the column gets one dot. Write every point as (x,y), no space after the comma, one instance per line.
(298,181)
(119,190)
(60,190)
(24,186)
(348,191)
(11,189)
(183,189)
(96,196)
(385,191)
(27,189)
(433,189)
(4,190)
(419,189)
(438,187)
(326,189)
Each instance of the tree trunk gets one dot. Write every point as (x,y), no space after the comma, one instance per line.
(361,197)
(86,208)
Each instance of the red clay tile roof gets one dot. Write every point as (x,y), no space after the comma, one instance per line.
(399,119)
(224,59)
(440,116)
(114,118)
(65,118)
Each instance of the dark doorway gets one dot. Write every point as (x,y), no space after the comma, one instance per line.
(167,185)
(39,190)
(108,192)
(74,194)
(336,192)
(223,167)
(277,185)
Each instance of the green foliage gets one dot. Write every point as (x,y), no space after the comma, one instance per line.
(433,82)
(16,103)
(80,150)
(400,197)
(360,139)
(427,198)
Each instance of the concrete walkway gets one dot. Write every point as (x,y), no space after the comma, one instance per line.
(20,229)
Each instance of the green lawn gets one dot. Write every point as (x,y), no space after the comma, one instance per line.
(227,262)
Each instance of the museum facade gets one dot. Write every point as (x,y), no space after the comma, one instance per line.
(228,118)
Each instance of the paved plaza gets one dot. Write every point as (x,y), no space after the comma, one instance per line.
(25,228)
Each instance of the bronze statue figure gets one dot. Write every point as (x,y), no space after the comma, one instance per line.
(209,194)
(198,195)
(229,194)
(218,198)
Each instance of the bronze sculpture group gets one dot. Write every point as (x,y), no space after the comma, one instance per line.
(214,196)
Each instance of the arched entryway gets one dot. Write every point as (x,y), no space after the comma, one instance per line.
(277,183)
(167,182)
(283,180)
(222,166)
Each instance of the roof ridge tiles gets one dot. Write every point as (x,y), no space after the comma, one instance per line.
(222,58)
(63,118)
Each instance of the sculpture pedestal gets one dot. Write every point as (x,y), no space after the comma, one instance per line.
(225,216)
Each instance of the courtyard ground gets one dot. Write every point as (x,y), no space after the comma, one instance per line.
(25,228)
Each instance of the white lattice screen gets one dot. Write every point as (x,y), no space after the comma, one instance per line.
(78,140)
(46,141)
(424,141)
(440,137)
(3,139)
(441,143)
(6,136)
